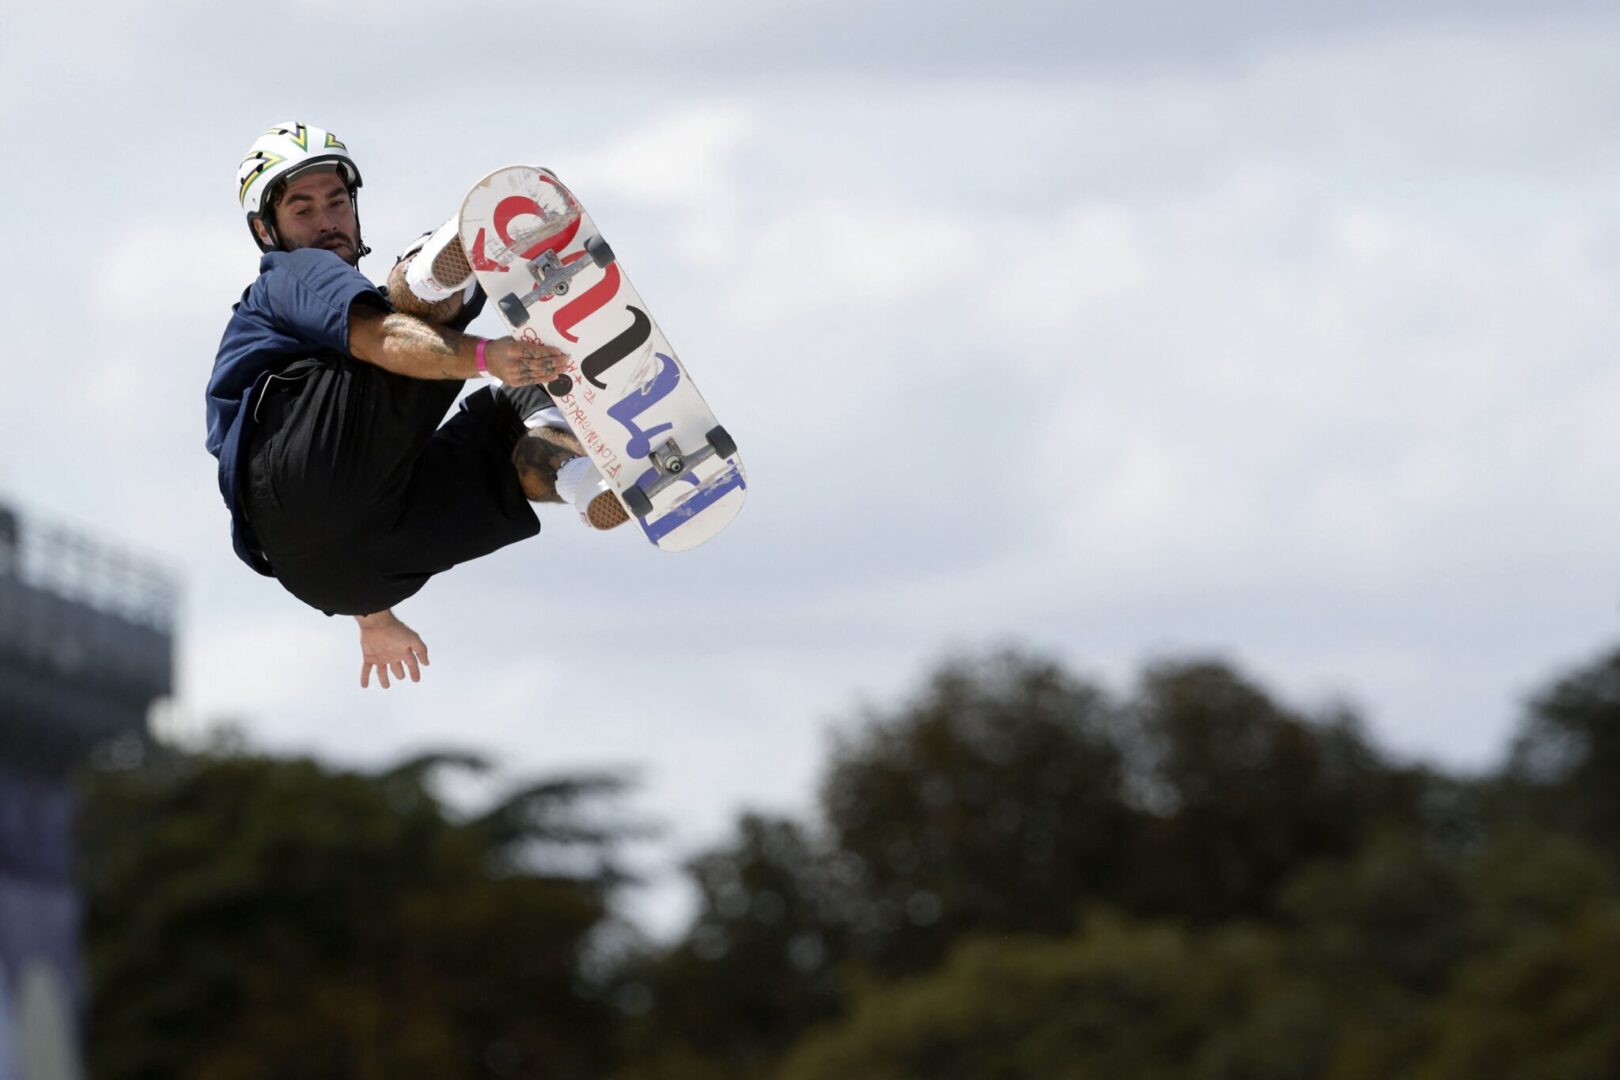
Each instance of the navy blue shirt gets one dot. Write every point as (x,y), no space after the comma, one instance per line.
(297,308)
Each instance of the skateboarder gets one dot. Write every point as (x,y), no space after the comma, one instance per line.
(326,401)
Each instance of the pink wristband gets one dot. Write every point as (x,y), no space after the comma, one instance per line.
(483,368)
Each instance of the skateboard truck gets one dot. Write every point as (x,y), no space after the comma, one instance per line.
(671,464)
(551,278)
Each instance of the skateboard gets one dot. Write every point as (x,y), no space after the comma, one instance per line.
(554,279)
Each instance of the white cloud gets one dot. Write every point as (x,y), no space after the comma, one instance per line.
(173,272)
(676,160)
(256,662)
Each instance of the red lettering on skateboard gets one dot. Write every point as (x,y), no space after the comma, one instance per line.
(588,302)
(515,206)
(506,211)
(599,449)
(481,261)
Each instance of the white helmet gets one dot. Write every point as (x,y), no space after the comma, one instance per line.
(280,154)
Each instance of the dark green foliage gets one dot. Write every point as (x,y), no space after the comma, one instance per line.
(1010,875)
(995,801)
(1564,769)
(1243,793)
(1399,963)
(1147,1002)
(1545,1005)
(1312,908)
(255,917)
(1538,992)
(758,964)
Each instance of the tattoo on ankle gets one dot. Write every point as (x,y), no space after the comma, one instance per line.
(537,457)
(403,299)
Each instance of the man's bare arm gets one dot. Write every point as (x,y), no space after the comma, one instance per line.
(408,346)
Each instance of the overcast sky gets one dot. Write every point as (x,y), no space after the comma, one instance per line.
(1280,331)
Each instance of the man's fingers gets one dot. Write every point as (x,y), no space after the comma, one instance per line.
(399,660)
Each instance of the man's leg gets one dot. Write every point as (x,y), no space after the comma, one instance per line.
(552,465)
(332,460)
(433,281)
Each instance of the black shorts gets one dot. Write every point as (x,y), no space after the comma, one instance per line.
(359,495)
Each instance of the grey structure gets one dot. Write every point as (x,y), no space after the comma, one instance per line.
(86,646)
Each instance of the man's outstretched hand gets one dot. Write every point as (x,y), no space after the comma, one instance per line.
(389,645)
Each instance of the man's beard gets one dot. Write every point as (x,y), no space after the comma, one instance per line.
(340,244)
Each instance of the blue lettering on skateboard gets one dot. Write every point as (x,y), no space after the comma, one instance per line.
(639,401)
(707,494)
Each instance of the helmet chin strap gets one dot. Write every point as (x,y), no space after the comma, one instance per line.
(359,237)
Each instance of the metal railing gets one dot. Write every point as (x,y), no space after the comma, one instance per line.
(94,573)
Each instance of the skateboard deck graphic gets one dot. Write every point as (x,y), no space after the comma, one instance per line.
(554,280)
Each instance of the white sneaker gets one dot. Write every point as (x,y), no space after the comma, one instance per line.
(440,268)
(580,484)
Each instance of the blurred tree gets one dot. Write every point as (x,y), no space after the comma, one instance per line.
(1538,993)
(993,802)
(1401,962)
(1243,793)
(1119,1000)
(1007,797)
(1388,935)
(1527,883)
(1563,769)
(756,968)
(1315,907)
(1391,916)
(254,917)
(1544,1005)
(1377,936)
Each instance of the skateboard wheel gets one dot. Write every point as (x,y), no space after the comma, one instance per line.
(513,309)
(560,386)
(597,248)
(638,502)
(722,443)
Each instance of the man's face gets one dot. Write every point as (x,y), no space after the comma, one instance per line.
(316,211)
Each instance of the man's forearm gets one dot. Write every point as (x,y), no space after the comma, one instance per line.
(408,346)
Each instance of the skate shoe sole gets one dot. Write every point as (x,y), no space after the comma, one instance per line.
(451,265)
(605,512)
